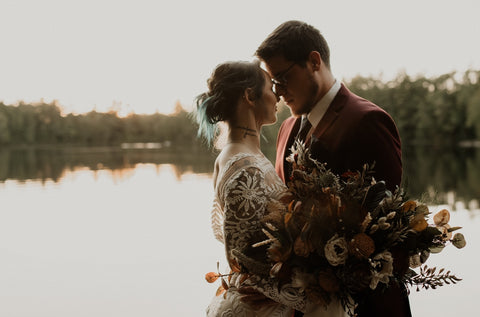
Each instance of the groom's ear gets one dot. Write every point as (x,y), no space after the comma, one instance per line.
(315,60)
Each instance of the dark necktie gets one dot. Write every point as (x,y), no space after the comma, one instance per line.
(305,127)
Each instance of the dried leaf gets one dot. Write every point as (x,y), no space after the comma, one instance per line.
(220,291)
(224,284)
(442,217)
(459,240)
(234,265)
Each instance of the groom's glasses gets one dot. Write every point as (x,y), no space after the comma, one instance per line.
(280,82)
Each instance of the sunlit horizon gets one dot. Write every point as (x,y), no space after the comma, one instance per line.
(145,57)
(125,110)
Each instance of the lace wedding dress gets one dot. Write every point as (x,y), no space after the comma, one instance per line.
(244,187)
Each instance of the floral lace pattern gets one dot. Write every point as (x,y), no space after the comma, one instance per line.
(272,185)
(246,185)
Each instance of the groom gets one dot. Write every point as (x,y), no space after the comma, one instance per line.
(342,129)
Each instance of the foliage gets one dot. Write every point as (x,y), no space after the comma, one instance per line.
(45,124)
(439,111)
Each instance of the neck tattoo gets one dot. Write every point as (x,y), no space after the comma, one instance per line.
(247,131)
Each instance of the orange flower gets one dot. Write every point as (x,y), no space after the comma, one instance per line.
(418,223)
(409,206)
(211,277)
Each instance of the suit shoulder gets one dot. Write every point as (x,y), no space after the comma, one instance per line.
(364,106)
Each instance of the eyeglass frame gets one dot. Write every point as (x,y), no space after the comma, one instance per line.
(281,82)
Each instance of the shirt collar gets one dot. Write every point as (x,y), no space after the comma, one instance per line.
(316,114)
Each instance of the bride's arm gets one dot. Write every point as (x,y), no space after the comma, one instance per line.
(245,204)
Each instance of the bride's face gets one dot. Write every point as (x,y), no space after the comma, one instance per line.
(266,106)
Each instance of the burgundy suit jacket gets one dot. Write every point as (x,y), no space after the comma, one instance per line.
(353,131)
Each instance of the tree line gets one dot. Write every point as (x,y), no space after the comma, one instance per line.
(43,123)
(437,111)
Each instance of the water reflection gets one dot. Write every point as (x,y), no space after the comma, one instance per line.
(443,176)
(51,163)
(97,243)
(436,176)
(136,241)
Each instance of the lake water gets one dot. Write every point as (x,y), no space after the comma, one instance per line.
(91,238)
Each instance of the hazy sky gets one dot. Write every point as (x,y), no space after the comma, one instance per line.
(145,55)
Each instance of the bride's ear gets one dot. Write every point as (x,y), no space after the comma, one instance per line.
(248,95)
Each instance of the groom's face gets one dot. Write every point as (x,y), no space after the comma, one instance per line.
(294,83)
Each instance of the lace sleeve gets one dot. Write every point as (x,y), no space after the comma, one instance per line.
(216,219)
(245,203)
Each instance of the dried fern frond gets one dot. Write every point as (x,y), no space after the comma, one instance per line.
(430,278)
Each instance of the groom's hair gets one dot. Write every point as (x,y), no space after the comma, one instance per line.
(294,40)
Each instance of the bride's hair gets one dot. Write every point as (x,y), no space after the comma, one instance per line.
(226,86)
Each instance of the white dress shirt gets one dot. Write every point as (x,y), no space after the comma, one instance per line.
(318,111)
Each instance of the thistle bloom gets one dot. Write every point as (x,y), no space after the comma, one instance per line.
(362,246)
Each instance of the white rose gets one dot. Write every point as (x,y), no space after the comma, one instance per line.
(336,250)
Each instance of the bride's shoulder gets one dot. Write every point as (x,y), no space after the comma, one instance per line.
(236,156)
(232,152)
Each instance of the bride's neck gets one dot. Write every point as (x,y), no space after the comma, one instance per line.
(241,133)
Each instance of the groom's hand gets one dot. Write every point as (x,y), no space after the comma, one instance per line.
(254,298)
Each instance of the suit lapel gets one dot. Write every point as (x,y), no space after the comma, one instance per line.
(331,115)
(285,141)
(291,136)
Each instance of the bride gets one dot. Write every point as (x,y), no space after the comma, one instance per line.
(240,94)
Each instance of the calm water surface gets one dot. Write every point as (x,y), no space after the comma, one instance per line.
(136,241)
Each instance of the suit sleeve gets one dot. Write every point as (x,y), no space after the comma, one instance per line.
(379,139)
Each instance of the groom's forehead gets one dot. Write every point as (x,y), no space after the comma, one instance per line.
(275,65)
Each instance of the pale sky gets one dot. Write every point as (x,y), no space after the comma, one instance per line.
(144,56)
